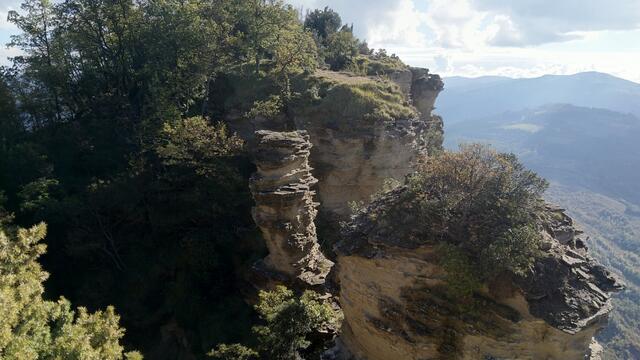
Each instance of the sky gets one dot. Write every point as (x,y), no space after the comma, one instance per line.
(515,38)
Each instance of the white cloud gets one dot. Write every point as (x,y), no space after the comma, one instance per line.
(380,22)
(501,37)
(6,53)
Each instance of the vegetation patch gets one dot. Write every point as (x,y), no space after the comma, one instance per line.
(288,322)
(342,99)
(480,208)
(378,63)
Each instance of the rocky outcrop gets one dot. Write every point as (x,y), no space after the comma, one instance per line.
(353,152)
(404,79)
(397,306)
(393,290)
(425,88)
(352,163)
(353,158)
(285,210)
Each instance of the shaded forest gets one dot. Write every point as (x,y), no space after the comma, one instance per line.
(111,135)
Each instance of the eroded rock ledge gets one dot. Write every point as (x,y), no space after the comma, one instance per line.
(285,210)
(396,304)
(352,155)
(392,289)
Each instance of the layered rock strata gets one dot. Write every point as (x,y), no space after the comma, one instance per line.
(397,306)
(353,157)
(284,209)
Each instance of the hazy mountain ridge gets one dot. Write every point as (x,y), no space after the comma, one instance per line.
(486,96)
(593,148)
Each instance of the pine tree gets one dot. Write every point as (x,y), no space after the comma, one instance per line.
(34,328)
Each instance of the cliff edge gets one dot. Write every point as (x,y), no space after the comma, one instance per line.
(397,304)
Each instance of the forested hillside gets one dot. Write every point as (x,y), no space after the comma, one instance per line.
(237,180)
(109,134)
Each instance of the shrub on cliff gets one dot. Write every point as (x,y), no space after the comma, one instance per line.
(378,63)
(337,45)
(481,206)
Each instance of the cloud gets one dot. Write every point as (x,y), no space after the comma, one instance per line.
(478,23)
(535,22)
(380,22)
(6,53)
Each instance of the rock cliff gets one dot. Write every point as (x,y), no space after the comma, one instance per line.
(393,292)
(396,304)
(284,209)
(353,156)
(364,130)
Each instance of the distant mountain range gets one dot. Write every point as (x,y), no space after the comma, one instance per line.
(582,132)
(490,95)
(592,148)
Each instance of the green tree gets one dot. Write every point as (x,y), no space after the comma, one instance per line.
(288,321)
(341,48)
(483,207)
(34,328)
(271,29)
(233,352)
(323,22)
(38,23)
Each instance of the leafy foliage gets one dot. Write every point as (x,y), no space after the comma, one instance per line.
(110,133)
(193,143)
(272,29)
(233,352)
(288,322)
(341,48)
(336,43)
(482,207)
(378,63)
(323,22)
(34,328)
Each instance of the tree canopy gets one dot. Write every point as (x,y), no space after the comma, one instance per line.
(110,133)
(34,328)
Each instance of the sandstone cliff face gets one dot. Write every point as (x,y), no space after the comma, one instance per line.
(396,304)
(352,156)
(392,289)
(285,210)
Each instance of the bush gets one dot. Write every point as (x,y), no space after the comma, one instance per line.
(376,64)
(288,320)
(482,207)
(341,47)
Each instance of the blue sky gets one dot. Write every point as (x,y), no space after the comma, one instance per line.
(517,38)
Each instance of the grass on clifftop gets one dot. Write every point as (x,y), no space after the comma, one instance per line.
(336,98)
(376,64)
(342,98)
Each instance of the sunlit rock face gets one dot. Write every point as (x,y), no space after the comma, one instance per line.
(353,160)
(353,157)
(396,304)
(285,209)
(392,290)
